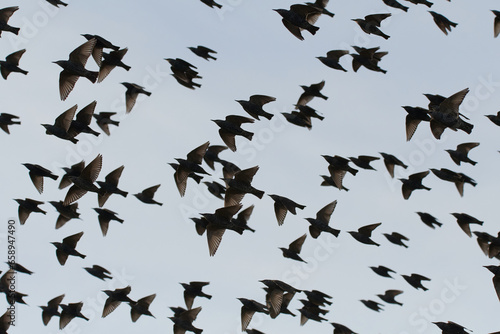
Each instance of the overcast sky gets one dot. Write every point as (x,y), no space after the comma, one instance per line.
(157,247)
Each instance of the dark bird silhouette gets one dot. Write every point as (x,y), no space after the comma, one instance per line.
(240,223)
(56,3)
(103,119)
(442,22)
(231,127)
(275,291)
(413,119)
(82,121)
(85,181)
(74,170)
(200,224)
(115,298)
(451,327)
(293,250)
(310,92)
(298,118)
(141,307)
(395,4)
(248,309)
(282,205)
(496,23)
(37,173)
(110,186)
(5,321)
(368,58)
(74,68)
(423,2)
(483,240)
(364,233)
(460,154)
(309,112)
(371,23)
(217,223)
(146,196)
(240,185)
(338,167)
(187,81)
(203,52)
(458,178)
(133,90)
(329,181)
(446,115)
(415,280)
(389,295)
(216,189)
(311,311)
(189,166)
(62,124)
(383,271)
(11,64)
(320,223)
(464,220)
(212,155)
(68,247)
(253,331)
(6,120)
(332,59)
(413,182)
(5,15)
(229,169)
(197,178)
(496,279)
(27,206)
(390,161)
(100,44)
(363,161)
(183,320)
(66,212)
(184,72)
(299,17)
(320,6)
(99,272)
(397,238)
(254,106)
(494,118)
(429,220)
(194,289)
(19,268)
(211,3)
(317,297)
(373,305)
(51,309)
(69,312)
(341,329)
(110,61)
(105,216)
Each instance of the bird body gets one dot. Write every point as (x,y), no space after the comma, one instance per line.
(320,223)
(299,17)
(11,64)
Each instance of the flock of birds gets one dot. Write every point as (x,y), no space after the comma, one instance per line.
(442,113)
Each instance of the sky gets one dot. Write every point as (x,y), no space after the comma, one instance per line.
(156,247)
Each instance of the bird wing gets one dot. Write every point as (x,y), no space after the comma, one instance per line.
(74,194)
(296,31)
(63,121)
(367,230)
(180,177)
(214,238)
(411,126)
(130,98)
(114,176)
(13,58)
(228,212)
(37,181)
(406,190)
(61,220)
(336,54)
(246,317)
(233,197)
(83,52)
(245,214)
(85,115)
(296,245)
(198,153)
(325,213)
(418,176)
(246,175)
(337,176)
(460,187)
(228,139)
(61,257)
(496,284)
(450,105)
(437,128)
(104,71)
(67,82)
(23,214)
(72,240)
(466,147)
(104,224)
(64,319)
(92,170)
(261,99)
(376,18)
(280,211)
(150,192)
(110,306)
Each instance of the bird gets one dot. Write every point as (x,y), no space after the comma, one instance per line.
(68,247)
(494,118)
(82,121)
(383,271)
(105,216)
(74,170)
(373,305)
(310,92)
(320,5)
(451,327)
(442,22)
(231,127)
(413,182)
(248,309)
(211,3)
(5,321)
(429,220)
(363,161)
(293,250)
(212,155)
(11,64)
(423,2)
(396,238)
(495,270)
(190,165)
(282,205)
(390,161)
(217,223)
(389,295)
(329,181)
(100,44)
(56,3)
(415,280)
(299,17)
(483,240)
(332,59)
(183,320)
(311,311)
(115,298)
(62,124)
(6,120)
(203,52)
(298,118)
(239,185)
(5,14)
(395,4)
(194,289)
(413,119)
(51,309)
(216,189)
(37,173)
(317,297)
(110,186)
(240,223)
(103,119)
(369,58)
(146,196)
(99,272)
(254,106)
(141,307)
(308,112)
(364,233)
(341,329)
(371,23)
(19,268)
(26,207)
(253,331)
(74,68)
(66,212)
(69,312)
(496,23)
(458,178)
(110,61)
(133,90)
(184,72)
(85,181)
(464,220)
(460,154)
(338,167)
(320,223)
(275,291)
(446,115)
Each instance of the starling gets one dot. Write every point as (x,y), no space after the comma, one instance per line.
(110,186)
(429,220)
(413,119)
(240,185)
(82,121)
(37,173)
(458,178)
(229,169)
(423,2)
(203,52)
(299,119)
(5,321)
(275,292)
(310,92)
(309,112)
(363,234)
(11,64)
(318,298)
(371,23)
(338,167)
(27,206)
(383,271)
(240,223)
(248,309)
(68,247)
(216,189)
(200,225)
(6,120)
(483,240)
(395,4)
(415,280)
(141,307)
(329,181)
(413,182)
(282,205)
(85,181)
(299,17)
(496,279)
(192,290)
(74,67)
(183,71)
(341,329)
(320,224)
(56,3)
(74,170)
(105,216)
(62,124)
(496,24)
(368,58)
(69,312)
(451,327)
(320,6)
(211,3)
(332,59)
(146,196)
(98,271)
(183,320)
(363,161)
(442,22)
(231,127)
(254,106)
(133,90)
(194,176)
(310,311)
(390,161)
(293,250)
(187,81)
(212,155)
(51,309)
(5,15)
(446,115)
(464,220)
(389,295)
(373,305)
(217,224)
(103,119)
(19,268)
(115,298)
(397,238)
(460,154)
(100,44)
(110,61)
(66,212)
(189,166)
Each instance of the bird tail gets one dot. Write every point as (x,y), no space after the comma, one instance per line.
(14,30)
(212,57)
(312,29)
(122,193)
(267,115)
(385,36)
(126,67)
(333,231)
(247,135)
(258,193)
(53,177)
(24,72)
(147,93)
(218,6)
(92,76)
(428,4)
(467,127)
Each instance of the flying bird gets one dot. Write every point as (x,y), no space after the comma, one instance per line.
(464,220)
(217,223)
(192,290)
(69,312)
(373,305)
(300,17)
(496,279)
(190,165)
(115,298)
(56,3)
(141,307)
(413,119)
(110,61)
(100,44)
(451,327)
(183,320)
(74,170)
(460,154)
(66,212)
(415,280)
(389,295)
(368,58)
(99,272)
(85,181)
(133,90)
(396,238)
(26,207)
(341,329)
(390,161)
(11,64)
(282,205)
(364,233)
(248,309)
(370,24)
(82,121)
(103,119)
(6,120)
(240,185)
(320,223)
(146,196)
(442,22)
(231,127)
(37,173)
(254,106)
(320,5)
(105,216)
(429,220)
(110,186)
(395,4)
(68,247)
(203,52)
(293,250)
(363,161)
(51,309)
(310,92)
(211,3)
(332,59)
(423,2)
(413,182)
(61,125)
(458,178)
(383,271)
(5,14)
